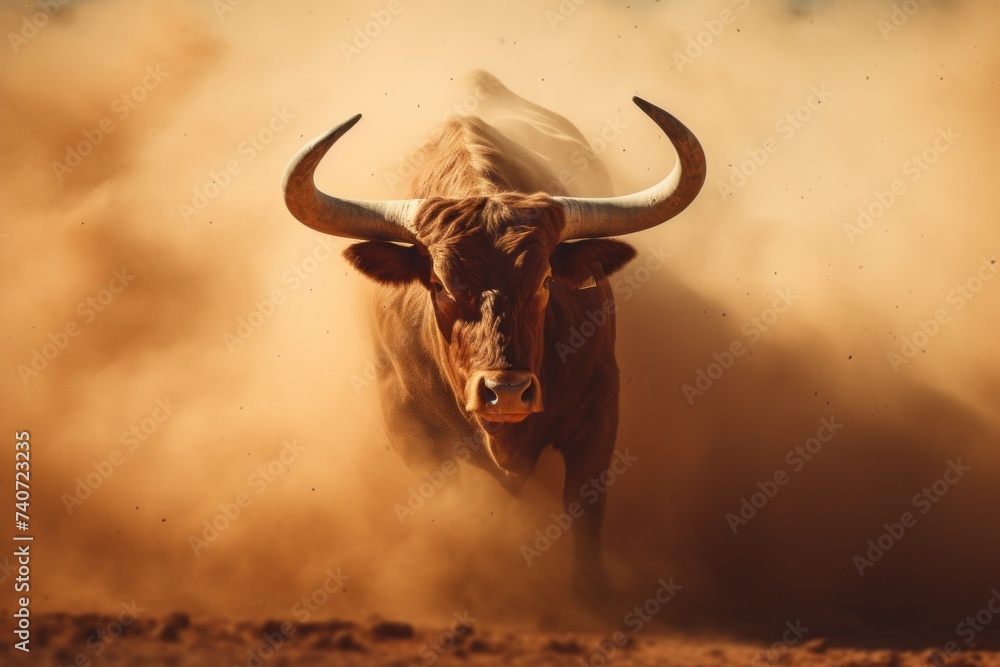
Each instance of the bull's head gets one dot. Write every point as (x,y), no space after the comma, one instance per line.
(489,263)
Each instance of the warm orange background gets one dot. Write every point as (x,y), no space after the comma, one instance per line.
(225,75)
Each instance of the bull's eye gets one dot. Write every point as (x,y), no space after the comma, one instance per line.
(546,284)
(442,295)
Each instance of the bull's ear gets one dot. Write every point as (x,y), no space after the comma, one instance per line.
(388,263)
(578,262)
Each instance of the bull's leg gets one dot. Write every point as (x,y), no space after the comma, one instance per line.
(584,496)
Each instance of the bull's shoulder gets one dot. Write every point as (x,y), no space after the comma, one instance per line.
(504,143)
(550,137)
(468,157)
(400,311)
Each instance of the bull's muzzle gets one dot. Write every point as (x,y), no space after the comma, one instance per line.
(504,396)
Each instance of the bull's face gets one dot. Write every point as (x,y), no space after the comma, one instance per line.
(489,286)
(490,267)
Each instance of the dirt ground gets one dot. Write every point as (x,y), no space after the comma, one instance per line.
(89,639)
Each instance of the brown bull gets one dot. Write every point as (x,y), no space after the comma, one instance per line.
(483,273)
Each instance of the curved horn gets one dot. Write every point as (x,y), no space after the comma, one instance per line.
(390,220)
(613,216)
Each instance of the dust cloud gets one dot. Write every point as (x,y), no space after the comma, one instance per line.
(193,364)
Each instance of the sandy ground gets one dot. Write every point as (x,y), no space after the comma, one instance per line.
(63,639)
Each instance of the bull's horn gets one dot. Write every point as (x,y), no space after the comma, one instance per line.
(614,216)
(390,220)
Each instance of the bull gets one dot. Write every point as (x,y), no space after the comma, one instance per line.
(484,271)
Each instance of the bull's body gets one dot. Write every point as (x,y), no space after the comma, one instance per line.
(474,319)
(579,388)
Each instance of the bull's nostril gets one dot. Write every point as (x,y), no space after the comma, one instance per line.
(489,395)
(507,393)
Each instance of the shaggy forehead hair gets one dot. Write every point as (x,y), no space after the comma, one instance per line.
(481,241)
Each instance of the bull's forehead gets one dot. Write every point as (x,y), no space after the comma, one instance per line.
(497,219)
(500,242)
(509,259)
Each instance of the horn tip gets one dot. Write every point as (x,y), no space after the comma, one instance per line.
(649,108)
